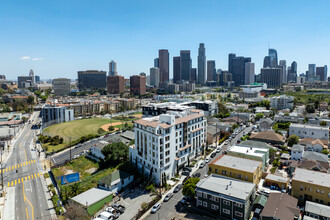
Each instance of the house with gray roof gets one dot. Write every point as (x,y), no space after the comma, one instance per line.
(311,155)
(226,197)
(297,152)
(316,211)
(265,124)
(115,181)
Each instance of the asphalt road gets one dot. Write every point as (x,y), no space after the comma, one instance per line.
(25,195)
(174,208)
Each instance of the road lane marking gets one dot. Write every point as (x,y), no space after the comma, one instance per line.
(12,182)
(17,165)
(15,182)
(19,180)
(29,177)
(26,178)
(34,161)
(22,180)
(29,162)
(23,163)
(35,176)
(8,184)
(38,175)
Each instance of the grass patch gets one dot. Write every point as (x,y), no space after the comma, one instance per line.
(76,129)
(99,205)
(51,148)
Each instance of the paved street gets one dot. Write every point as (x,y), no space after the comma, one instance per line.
(173,208)
(25,189)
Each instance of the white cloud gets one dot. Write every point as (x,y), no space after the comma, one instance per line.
(37,58)
(25,58)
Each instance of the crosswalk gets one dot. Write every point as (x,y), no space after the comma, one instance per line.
(16,166)
(24,179)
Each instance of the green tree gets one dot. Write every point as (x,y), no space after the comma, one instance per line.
(74,189)
(259,116)
(325,151)
(111,128)
(114,154)
(323,123)
(189,186)
(30,100)
(310,108)
(293,139)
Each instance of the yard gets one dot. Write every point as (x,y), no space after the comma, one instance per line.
(99,205)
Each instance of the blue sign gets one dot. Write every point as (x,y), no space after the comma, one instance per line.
(70,178)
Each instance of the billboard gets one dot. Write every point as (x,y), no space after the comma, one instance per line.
(70,178)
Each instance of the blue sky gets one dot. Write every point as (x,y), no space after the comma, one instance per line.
(58,38)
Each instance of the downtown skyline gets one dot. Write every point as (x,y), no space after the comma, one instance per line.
(57,40)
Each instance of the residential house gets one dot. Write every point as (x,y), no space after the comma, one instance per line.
(308,131)
(237,168)
(226,197)
(281,102)
(280,206)
(314,144)
(297,152)
(268,137)
(265,124)
(116,181)
(311,155)
(277,181)
(310,185)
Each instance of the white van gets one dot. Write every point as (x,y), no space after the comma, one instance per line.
(105,215)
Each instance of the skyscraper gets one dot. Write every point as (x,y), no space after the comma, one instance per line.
(154,77)
(176,69)
(249,73)
(33,80)
(201,60)
(271,76)
(284,71)
(267,61)
(237,68)
(138,85)
(292,72)
(156,62)
(115,84)
(311,70)
(193,76)
(211,70)
(113,68)
(322,72)
(164,65)
(92,79)
(185,65)
(272,53)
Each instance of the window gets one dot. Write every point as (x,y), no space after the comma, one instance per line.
(301,188)
(226,202)
(317,190)
(226,211)
(239,214)
(216,170)
(205,204)
(210,169)
(204,195)
(200,202)
(214,207)
(224,172)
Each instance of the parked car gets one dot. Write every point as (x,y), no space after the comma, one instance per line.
(213,155)
(197,175)
(187,169)
(202,165)
(185,173)
(118,207)
(183,200)
(155,208)
(168,197)
(218,149)
(206,175)
(105,215)
(177,188)
(207,160)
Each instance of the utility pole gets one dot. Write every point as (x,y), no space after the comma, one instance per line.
(1,169)
(70,147)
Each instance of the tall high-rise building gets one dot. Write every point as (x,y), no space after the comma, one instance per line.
(138,85)
(113,68)
(176,69)
(185,65)
(311,70)
(322,72)
(33,80)
(156,62)
(272,53)
(201,64)
(284,71)
(267,61)
(211,70)
(164,65)
(61,86)
(249,73)
(92,79)
(115,84)
(292,72)
(193,76)
(154,77)
(271,76)
(237,68)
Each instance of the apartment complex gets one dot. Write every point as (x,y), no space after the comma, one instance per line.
(237,168)
(312,186)
(282,102)
(115,84)
(138,85)
(56,114)
(229,198)
(166,142)
(308,131)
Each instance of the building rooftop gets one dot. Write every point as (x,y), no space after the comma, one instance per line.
(268,136)
(114,177)
(319,209)
(237,163)
(276,178)
(258,144)
(298,147)
(281,206)
(294,125)
(311,155)
(226,186)
(257,152)
(312,177)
